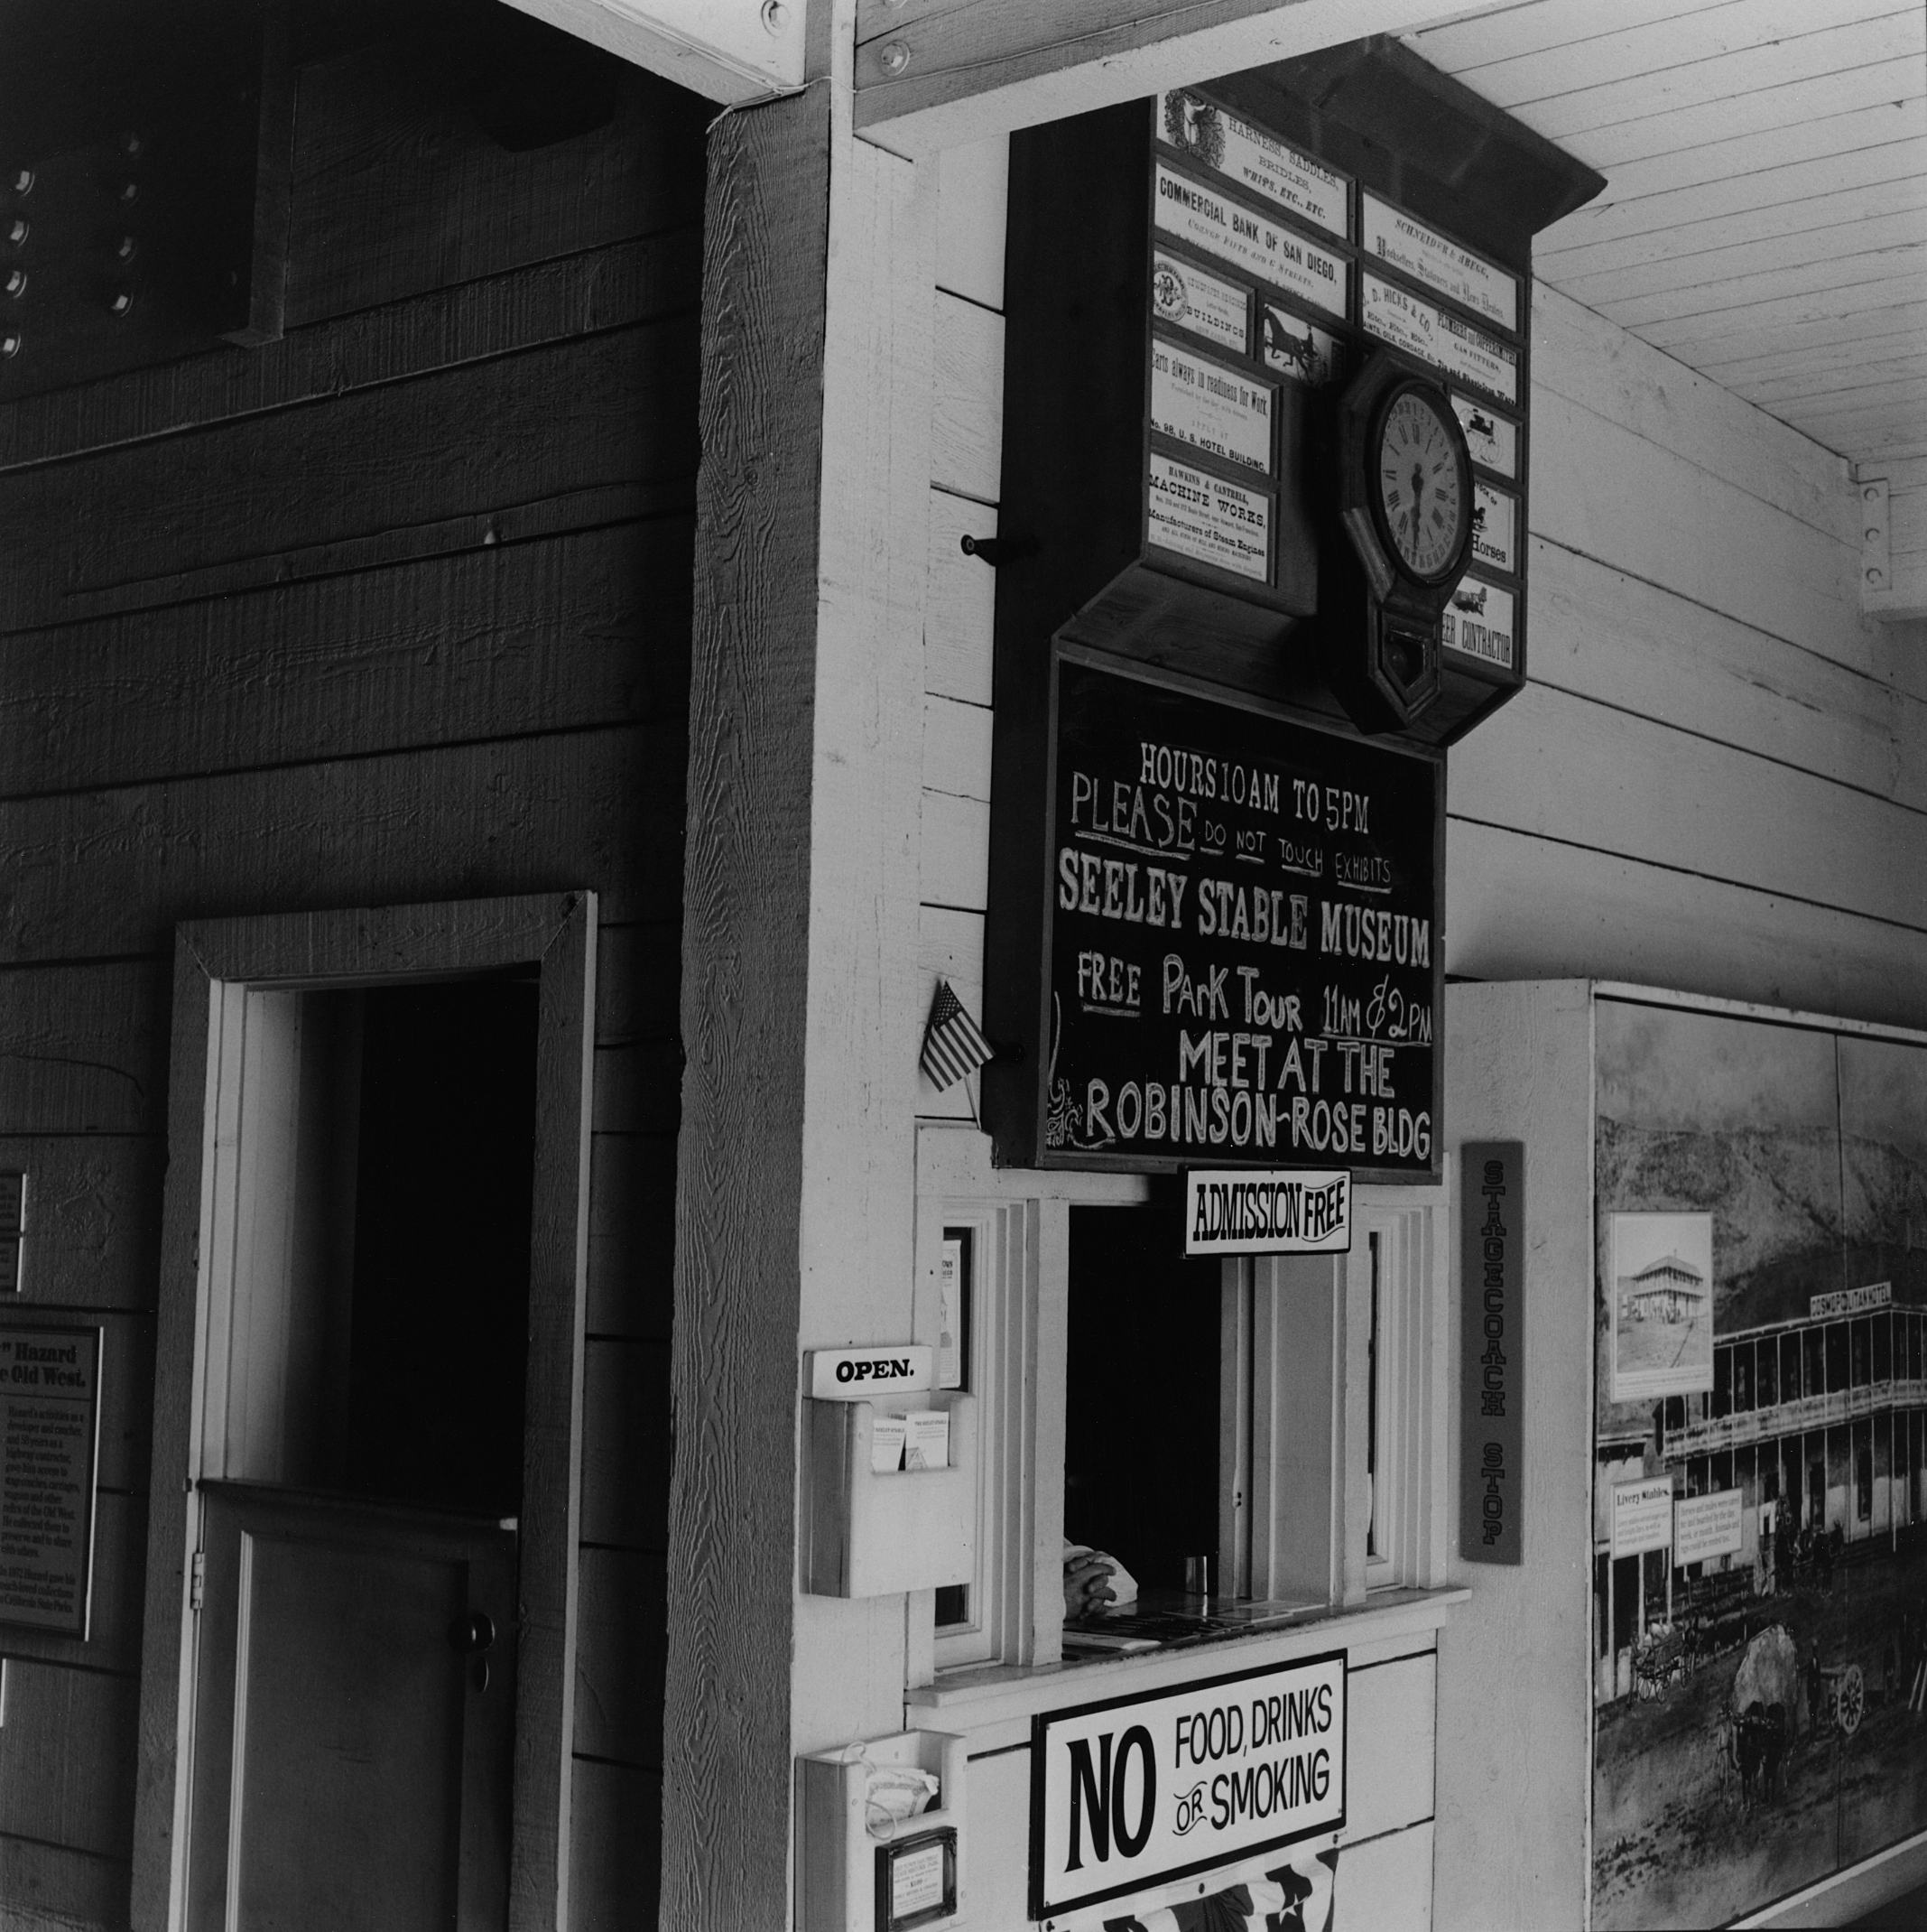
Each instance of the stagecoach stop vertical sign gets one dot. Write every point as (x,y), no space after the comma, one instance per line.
(1492,1350)
(1240,959)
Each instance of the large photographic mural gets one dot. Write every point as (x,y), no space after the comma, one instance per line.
(1760,1468)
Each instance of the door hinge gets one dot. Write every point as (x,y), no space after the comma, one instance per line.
(197,1582)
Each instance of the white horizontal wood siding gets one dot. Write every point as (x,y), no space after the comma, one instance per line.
(967,437)
(1718,776)
(1765,210)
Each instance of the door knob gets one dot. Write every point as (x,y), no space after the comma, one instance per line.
(470,1636)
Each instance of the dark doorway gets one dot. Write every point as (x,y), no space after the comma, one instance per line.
(1141,1425)
(438,1348)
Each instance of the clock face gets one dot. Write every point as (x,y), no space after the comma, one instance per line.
(1421,484)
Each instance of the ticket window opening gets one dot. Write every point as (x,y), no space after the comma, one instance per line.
(1142,1471)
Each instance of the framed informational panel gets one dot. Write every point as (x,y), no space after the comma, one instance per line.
(1225,949)
(49,1444)
(1760,1567)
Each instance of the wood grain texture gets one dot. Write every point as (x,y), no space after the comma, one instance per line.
(956,748)
(619,1656)
(972,189)
(49,1888)
(951,943)
(1726,240)
(602,289)
(1386,1883)
(1602,634)
(93,1216)
(126,1384)
(82,1048)
(552,1426)
(172,1514)
(1596,364)
(1748,172)
(744,1006)
(67,1756)
(1527,908)
(632,1236)
(503,641)
(960,605)
(396,191)
(967,425)
(638,972)
(1601,488)
(1389,1712)
(1519,1066)
(981,68)
(521,815)
(1575,90)
(616,1860)
(1564,768)
(638,1087)
(602,411)
(955,851)
(557,931)
(625,1443)
(1462,45)
(1822,95)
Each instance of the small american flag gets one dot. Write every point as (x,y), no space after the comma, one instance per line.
(953,1046)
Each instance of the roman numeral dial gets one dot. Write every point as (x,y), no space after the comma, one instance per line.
(1421,483)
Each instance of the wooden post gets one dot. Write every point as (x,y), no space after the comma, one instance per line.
(796,1165)
(732,1530)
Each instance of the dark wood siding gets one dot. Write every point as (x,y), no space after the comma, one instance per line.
(396,607)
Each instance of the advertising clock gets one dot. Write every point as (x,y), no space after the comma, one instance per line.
(1404,487)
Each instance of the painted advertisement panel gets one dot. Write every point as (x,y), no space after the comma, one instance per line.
(1760,1645)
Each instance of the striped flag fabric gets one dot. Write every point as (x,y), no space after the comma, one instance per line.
(953,1044)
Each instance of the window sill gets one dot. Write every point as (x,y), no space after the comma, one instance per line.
(993,1704)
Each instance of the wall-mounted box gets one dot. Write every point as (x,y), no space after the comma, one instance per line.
(1191,283)
(871,1534)
(863,1873)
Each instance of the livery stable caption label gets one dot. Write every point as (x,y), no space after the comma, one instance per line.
(1243,938)
(1139,1791)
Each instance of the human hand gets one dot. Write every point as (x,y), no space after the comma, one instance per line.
(1087,1583)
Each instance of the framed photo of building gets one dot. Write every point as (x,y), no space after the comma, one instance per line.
(1661,1305)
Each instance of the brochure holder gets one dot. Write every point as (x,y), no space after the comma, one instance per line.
(871,1534)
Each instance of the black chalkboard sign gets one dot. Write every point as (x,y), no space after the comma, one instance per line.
(1241,959)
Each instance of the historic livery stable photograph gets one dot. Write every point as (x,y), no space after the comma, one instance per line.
(963,965)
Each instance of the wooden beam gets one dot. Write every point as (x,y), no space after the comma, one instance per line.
(933,74)
(746,886)
(733,51)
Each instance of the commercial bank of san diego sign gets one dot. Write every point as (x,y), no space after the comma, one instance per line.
(1137,1791)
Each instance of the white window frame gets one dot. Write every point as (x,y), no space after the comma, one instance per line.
(1297,1335)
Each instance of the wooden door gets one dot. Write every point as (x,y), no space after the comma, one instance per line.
(354,1723)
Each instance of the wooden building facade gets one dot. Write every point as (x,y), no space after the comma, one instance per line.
(391,610)
(566,590)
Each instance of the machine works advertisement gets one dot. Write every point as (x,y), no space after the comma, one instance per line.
(1137,1791)
(1242,964)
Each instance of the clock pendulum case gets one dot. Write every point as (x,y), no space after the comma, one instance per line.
(1404,498)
